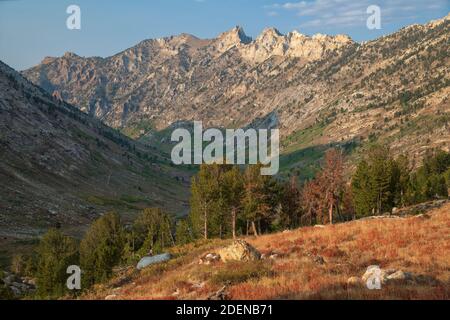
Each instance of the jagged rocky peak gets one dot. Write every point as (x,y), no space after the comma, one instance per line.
(296,35)
(232,38)
(270,33)
(272,43)
(70,55)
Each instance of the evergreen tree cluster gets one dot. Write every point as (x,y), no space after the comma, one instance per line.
(108,243)
(381,182)
(227,202)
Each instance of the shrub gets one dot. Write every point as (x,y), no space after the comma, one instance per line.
(237,272)
(18,264)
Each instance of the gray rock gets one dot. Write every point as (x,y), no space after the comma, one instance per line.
(9,279)
(391,276)
(21,286)
(375,271)
(147,261)
(400,276)
(16,291)
(212,257)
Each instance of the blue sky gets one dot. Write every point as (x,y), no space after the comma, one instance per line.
(33,29)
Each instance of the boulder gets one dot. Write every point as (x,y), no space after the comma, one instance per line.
(239,251)
(9,279)
(391,276)
(399,276)
(147,261)
(209,258)
(375,271)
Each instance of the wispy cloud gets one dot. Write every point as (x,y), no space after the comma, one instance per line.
(348,13)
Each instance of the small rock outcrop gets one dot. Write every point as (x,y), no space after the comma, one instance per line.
(239,251)
(391,276)
(17,286)
(209,258)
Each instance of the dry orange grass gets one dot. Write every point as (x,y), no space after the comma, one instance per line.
(415,244)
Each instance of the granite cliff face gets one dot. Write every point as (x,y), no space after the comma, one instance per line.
(395,88)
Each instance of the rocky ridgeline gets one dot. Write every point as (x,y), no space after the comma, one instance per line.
(272,42)
(352,88)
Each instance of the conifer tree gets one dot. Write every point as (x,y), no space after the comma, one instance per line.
(363,196)
(56,252)
(290,204)
(401,181)
(232,185)
(183,232)
(101,249)
(152,231)
(261,197)
(206,200)
(380,171)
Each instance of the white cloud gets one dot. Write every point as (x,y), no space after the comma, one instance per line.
(349,13)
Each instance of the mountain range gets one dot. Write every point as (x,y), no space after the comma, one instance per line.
(319,90)
(86,135)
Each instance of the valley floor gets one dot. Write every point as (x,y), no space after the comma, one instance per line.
(308,263)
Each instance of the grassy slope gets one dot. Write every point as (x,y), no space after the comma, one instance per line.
(415,244)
